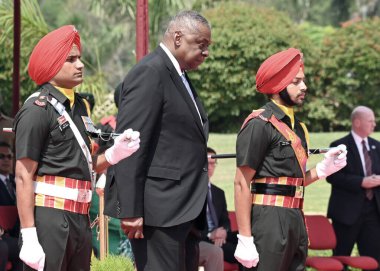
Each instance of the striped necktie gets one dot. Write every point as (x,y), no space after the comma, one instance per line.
(211,211)
(368,168)
(10,188)
(187,86)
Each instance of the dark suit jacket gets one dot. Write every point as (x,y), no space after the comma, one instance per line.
(165,181)
(347,196)
(220,204)
(5,198)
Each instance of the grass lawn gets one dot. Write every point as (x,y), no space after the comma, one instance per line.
(316,195)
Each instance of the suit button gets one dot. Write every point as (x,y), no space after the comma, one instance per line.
(205,169)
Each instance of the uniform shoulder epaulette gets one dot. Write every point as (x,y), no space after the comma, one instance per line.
(258,113)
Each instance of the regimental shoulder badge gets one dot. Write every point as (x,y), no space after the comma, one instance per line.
(41,100)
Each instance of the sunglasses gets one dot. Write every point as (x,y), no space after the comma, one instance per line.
(3,156)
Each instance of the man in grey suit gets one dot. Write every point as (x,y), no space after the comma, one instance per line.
(354,205)
(160,193)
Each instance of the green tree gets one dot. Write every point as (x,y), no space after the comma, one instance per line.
(159,12)
(350,71)
(243,37)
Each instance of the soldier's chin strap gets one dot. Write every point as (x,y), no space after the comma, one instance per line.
(60,108)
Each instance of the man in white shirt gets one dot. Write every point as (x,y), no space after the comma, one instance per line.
(354,205)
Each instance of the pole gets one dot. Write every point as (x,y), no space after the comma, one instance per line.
(103,219)
(16,56)
(103,229)
(233,155)
(142,29)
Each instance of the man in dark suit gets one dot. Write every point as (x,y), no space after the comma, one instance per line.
(161,191)
(218,242)
(354,205)
(8,240)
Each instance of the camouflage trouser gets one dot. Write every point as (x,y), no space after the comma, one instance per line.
(125,249)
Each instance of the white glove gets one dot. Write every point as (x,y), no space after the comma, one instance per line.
(335,160)
(246,252)
(125,145)
(31,252)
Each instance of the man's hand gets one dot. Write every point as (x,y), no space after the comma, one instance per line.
(125,145)
(246,252)
(133,227)
(371,181)
(31,252)
(335,159)
(218,236)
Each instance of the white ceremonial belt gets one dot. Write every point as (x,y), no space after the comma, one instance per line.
(79,195)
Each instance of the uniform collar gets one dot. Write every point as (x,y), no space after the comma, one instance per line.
(69,93)
(272,108)
(287,110)
(56,93)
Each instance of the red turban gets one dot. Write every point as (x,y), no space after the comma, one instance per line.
(278,71)
(51,52)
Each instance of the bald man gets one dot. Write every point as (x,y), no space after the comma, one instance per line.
(54,167)
(354,204)
(272,151)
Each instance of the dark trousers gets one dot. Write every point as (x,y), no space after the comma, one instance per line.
(229,247)
(365,232)
(65,238)
(9,251)
(163,249)
(280,238)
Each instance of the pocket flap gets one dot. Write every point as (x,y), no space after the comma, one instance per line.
(164,173)
(283,152)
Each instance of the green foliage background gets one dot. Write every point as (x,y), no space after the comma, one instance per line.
(241,42)
(350,69)
(341,64)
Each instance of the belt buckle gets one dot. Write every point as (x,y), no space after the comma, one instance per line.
(84,195)
(299,192)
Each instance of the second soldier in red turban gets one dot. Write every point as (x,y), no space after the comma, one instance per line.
(271,156)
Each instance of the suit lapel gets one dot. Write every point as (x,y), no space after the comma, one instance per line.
(183,91)
(373,154)
(353,149)
(8,199)
(201,109)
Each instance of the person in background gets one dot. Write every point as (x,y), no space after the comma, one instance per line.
(218,242)
(6,122)
(272,151)
(354,205)
(160,193)
(54,164)
(9,249)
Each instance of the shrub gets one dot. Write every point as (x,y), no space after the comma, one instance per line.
(112,263)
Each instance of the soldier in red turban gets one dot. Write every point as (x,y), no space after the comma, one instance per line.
(272,151)
(55,166)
